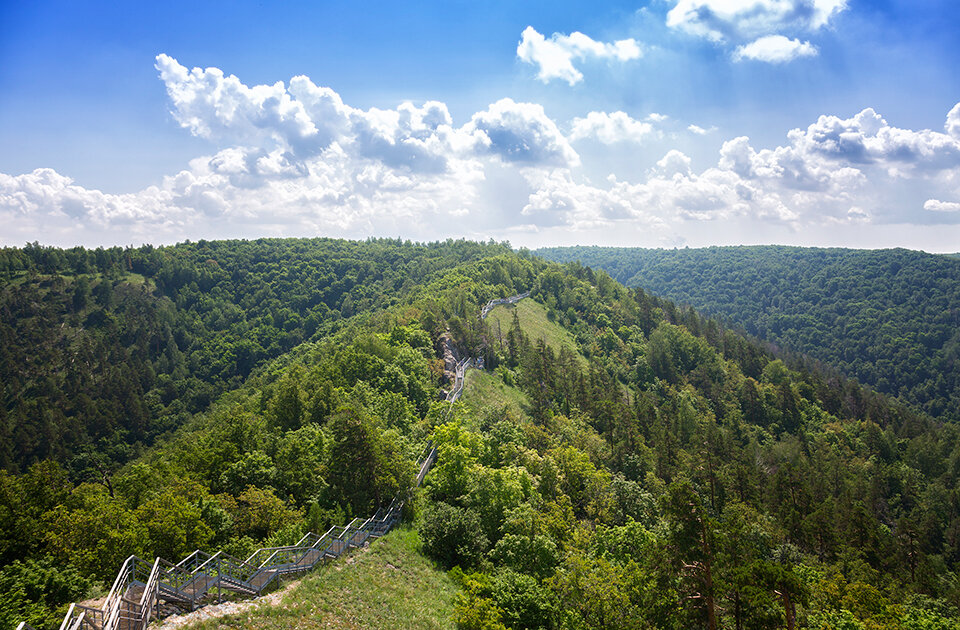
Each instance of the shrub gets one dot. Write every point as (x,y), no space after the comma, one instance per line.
(452,535)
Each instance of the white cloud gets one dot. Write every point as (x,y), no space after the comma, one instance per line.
(867,139)
(523,133)
(774,49)
(740,20)
(935,205)
(220,107)
(700,131)
(836,155)
(555,56)
(305,119)
(953,122)
(674,163)
(787,167)
(44,191)
(857,214)
(714,194)
(559,200)
(610,128)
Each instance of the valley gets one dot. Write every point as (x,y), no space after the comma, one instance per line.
(619,462)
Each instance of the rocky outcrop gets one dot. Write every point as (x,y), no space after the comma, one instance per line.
(451,357)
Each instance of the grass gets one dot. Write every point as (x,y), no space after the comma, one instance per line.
(486,389)
(536,325)
(389,585)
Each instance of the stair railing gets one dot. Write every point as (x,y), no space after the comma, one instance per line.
(149,598)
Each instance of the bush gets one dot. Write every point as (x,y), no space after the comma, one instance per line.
(523,602)
(453,535)
(537,555)
(36,590)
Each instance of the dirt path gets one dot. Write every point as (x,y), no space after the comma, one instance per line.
(215,611)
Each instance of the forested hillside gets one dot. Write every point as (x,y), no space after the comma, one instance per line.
(619,463)
(103,350)
(890,318)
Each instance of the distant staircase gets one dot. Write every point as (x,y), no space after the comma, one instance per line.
(513,299)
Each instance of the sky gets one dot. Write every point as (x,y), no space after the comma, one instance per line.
(661,123)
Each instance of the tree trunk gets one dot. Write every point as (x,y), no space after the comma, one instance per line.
(788,609)
(708,579)
(737,621)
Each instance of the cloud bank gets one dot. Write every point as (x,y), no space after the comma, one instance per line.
(294,159)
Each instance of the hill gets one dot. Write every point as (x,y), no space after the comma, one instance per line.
(101,351)
(620,463)
(890,318)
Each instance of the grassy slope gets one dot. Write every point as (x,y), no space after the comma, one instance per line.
(485,389)
(533,322)
(391,585)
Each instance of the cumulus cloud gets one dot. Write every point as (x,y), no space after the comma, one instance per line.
(295,159)
(935,205)
(305,119)
(523,133)
(759,28)
(774,49)
(554,57)
(610,128)
(44,191)
(867,139)
(218,107)
(720,20)
(835,155)
(560,200)
(826,166)
(953,122)
(857,214)
(674,163)
(674,191)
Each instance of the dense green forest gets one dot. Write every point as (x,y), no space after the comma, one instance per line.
(103,350)
(619,463)
(890,318)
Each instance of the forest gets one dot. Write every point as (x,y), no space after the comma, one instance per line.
(890,318)
(102,350)
(620,462)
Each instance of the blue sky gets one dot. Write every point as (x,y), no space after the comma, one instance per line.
(663,123)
